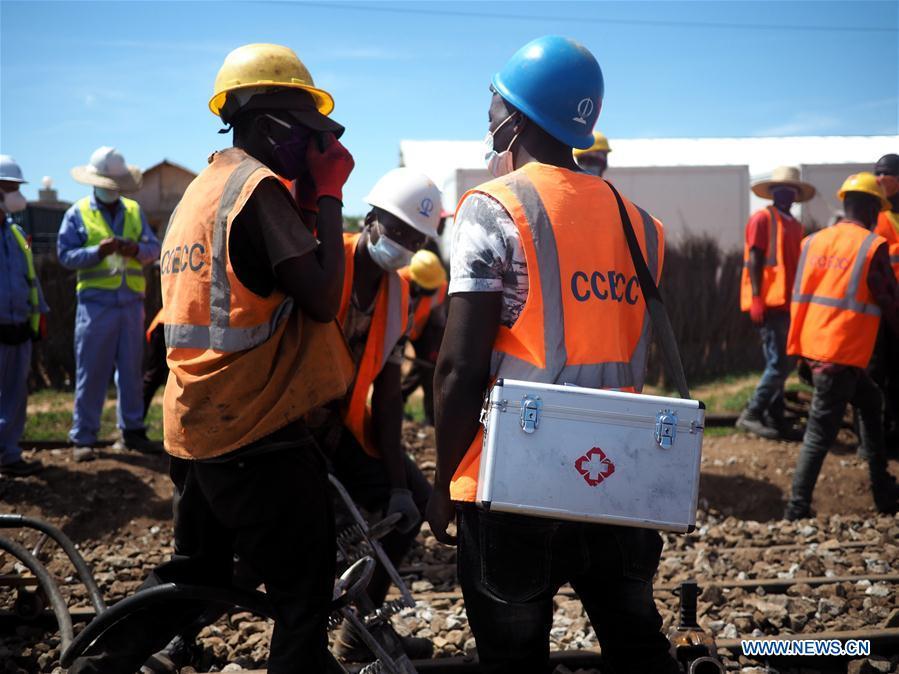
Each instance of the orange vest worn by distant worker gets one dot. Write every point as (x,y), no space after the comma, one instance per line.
(241,365)
(834,317)
(390,321)
(774,291)
(888,228)
(585,320)
(424,306)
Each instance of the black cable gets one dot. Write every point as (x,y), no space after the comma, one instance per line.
(8,521)
(253,601)
(373,7)
(48,585)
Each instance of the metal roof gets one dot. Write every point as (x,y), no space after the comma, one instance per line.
(440,158)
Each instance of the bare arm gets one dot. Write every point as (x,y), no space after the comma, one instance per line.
(756,265)
(387,417)
(461,378)
(315,280)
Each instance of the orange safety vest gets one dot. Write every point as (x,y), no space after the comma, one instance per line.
(424,305)
(389,322)
(888,228)
(585,320)
(774,291)
(241,365)
(833,317)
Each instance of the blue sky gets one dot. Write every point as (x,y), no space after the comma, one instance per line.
(138,75)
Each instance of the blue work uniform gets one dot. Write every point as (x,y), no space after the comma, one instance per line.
(15,359)
(109,328)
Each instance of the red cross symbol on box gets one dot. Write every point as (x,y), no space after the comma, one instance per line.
(594,466)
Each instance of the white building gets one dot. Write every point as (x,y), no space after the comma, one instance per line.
(692,184)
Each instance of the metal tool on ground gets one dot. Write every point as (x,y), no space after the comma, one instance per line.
(691,646)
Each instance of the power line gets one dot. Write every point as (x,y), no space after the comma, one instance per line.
(581,19)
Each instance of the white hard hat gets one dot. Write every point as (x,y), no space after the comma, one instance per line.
(10,170)
(411,196)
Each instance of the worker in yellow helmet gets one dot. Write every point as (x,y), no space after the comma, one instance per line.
(251,283)
(595,159)
(427,286)
(844,289)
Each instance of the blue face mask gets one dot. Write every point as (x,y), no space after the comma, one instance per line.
(290,154)
(387,253)
(106,196)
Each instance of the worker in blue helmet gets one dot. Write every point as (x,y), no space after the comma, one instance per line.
(545,103)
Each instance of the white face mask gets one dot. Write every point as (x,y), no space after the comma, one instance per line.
(13,202)
(388,254)
(499,163)
(106,196)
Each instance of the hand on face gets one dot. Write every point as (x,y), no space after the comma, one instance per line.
(329,168)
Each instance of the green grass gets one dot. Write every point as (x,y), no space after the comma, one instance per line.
(49,416)
(50,412)
(415,409)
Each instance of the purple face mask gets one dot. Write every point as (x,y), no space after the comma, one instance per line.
(290,154)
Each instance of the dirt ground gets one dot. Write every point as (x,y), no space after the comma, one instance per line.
(118,510)
(123,492)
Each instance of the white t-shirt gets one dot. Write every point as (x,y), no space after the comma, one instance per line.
(487,255)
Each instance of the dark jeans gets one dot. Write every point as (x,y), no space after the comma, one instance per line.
(511,566)
(769,393)
(365,478)
(274,511)
(156,369)
(834,389)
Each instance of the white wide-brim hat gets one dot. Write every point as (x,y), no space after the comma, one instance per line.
(784,175)
(107,169)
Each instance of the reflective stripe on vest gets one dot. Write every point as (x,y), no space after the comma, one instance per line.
(849,300)
(34,317)
(774,275)
(537,348)
(833,317)
(618,375)
(390,321)
(219,335)
(103,276)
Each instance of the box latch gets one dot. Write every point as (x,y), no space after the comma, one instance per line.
(530,413)
(666,428)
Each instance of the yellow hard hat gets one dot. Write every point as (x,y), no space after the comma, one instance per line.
(867,183)
(265,65)
(427,270)
(600,144)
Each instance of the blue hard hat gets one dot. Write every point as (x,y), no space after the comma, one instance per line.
(558,84)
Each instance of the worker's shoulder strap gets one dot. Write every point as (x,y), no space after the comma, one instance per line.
(660,321)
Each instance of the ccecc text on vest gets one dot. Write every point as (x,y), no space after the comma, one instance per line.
(181,258)
(612,286)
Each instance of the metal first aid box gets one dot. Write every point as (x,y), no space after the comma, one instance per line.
(591,455)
